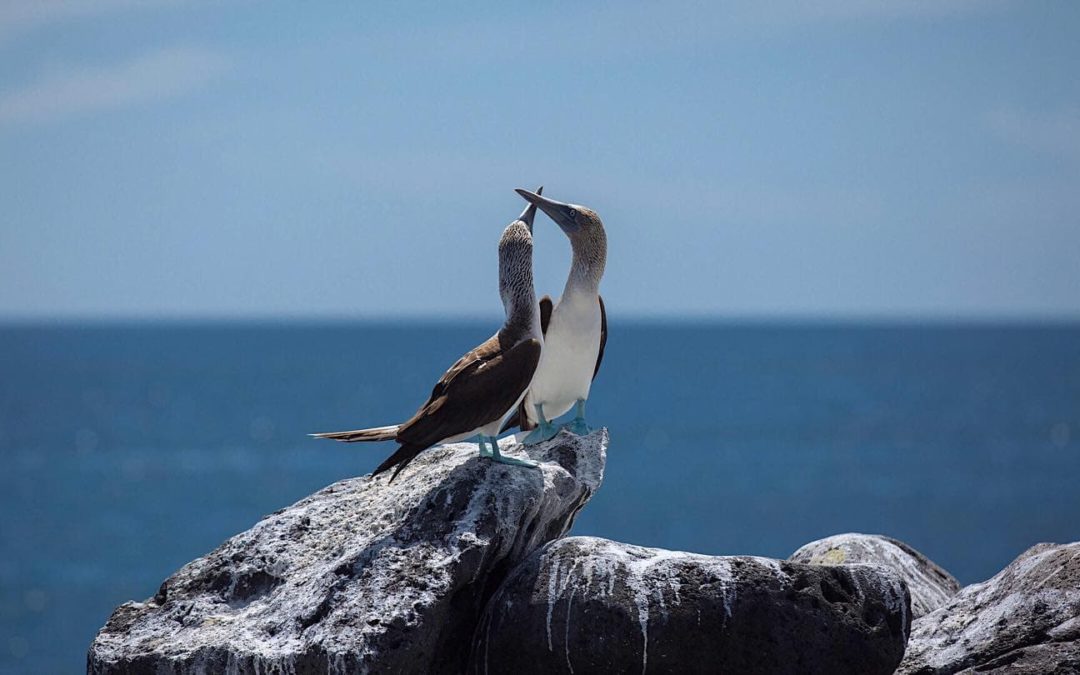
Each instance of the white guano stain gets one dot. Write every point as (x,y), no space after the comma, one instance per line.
(553,584)
(566,635)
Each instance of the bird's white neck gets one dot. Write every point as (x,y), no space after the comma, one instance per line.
(584,277)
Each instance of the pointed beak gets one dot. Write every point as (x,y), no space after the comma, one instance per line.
(562,214)
(530,211)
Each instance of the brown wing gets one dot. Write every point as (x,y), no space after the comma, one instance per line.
(603,337)
(477,393)
(487,350)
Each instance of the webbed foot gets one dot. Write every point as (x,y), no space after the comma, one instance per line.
(497,456)
(577,426)
(544,431)
(484,450)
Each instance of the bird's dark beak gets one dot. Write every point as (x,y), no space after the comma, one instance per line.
(530,211)
(564,215)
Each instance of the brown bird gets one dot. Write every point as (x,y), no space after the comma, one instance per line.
(483,386)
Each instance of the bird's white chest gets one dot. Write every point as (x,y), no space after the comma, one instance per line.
(571,346)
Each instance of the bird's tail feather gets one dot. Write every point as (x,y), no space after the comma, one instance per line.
(388,433)
(400,459)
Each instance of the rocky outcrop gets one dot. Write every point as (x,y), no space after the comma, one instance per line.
(363,576)
(458,566)
(1026,619)
(929,585)
(587,605)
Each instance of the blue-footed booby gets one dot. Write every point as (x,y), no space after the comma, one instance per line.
(574,329)
(478,391)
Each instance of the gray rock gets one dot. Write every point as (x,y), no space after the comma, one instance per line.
(929,585)
(1059,658)
(587,605)
(1024,619)
(363,576)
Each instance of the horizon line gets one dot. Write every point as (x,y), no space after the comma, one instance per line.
(838,318)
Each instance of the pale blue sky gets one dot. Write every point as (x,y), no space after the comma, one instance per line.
(840,158)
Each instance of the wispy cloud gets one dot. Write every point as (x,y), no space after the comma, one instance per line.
(20,16)
(157,76)
(1054,132)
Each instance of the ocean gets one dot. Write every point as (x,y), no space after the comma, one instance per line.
(128,450)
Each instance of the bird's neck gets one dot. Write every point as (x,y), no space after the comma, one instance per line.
(586,269)
(522,313)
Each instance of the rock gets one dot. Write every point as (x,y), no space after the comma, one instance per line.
(587,605)
(1059,658)
(362,576)
(1024,619)
(929,585)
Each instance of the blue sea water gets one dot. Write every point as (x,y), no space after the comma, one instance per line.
(129,450)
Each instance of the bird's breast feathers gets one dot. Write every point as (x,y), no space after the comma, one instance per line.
(571,345)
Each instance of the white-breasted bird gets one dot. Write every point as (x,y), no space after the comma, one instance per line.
(574,329)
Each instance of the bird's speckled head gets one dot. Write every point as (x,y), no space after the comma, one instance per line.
(515,257)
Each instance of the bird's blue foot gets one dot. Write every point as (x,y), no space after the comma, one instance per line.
(497,456)
(482,443)
(577,425)
(545,431)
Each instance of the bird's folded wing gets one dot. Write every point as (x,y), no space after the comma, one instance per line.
(603,337)
(479,392)
(470,359)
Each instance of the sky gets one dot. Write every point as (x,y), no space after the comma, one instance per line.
(837,159)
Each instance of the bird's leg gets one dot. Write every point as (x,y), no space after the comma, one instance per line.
(544,431)
(481,441)
(496,456)
(577,425)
